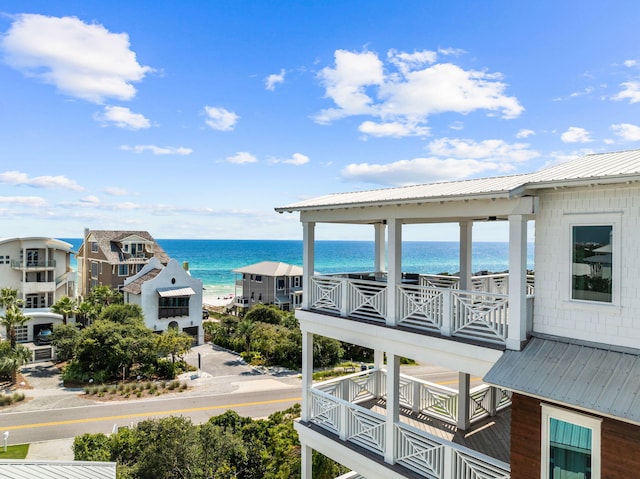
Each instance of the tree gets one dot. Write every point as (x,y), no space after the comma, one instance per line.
(244,330)
(86,313)
(173,343)
(102,296)
(265,314)
(12,359)
(65,339)
(11,319)
(65,306)
(122,313)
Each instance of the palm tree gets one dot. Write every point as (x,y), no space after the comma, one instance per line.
(64,306)
(9,298)
(86,313)
(13,360)
(104,296)
(11,319)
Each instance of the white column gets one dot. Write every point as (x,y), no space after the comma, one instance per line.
(307,462)
(380,230)
(393,405)
(394,275)
(308,261)
(466,241)
(517,332)
(464,382)
(378,358)
(307,373)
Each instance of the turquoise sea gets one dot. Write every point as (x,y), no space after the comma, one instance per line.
(213,261)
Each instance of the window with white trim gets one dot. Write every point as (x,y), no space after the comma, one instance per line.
(123,269)
(570,444)
(592,263)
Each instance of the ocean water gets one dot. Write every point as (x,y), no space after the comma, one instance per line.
(213,261)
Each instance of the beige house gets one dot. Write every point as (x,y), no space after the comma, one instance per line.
(108,258)
(559,354)
(268,282)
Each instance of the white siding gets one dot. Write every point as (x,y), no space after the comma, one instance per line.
(555,313)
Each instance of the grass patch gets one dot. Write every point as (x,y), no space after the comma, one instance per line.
(19,451)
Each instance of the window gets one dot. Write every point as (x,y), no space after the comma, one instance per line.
(94,269)
(123,269)
(280,284)
(22,333)
(570,445)
(592,263)
(94,247)
(297,281)
(169,307)
(259,278)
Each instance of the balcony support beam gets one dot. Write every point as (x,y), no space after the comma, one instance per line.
(307,462)
(393,406)
(464,388)
(394,276)
(466,242)
(307,373)
(380,232)
(517,333)
(308,260)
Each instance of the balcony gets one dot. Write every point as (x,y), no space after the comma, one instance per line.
(423,303)
(20,264)
(36,287)
(351,409)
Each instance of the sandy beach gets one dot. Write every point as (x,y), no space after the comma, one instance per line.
(215,301)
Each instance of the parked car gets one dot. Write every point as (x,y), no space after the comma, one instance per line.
(44,337)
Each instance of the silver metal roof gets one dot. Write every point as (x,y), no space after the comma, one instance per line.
(589,376)
(28,469)
(175,292)
(271,268)
(595,168)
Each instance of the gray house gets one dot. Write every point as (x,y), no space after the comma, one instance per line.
(268,282)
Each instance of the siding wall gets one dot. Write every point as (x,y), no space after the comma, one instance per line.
(555,313)
(620,451)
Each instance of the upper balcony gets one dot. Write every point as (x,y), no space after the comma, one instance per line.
(431,304)
(33,264)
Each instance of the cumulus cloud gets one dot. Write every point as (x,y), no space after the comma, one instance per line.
(630,91)
(409,89)
(630,63)
(158,150)
(17,178)
(297,159)
(576,135)
(451,159)
(274,79)
(31,201)
(241,158)
(81,60)
(627,131)
(394,129)
(525,133)
(115,191)
(123,118)
(219,118)
(92,199)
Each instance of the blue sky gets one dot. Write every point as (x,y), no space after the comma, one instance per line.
(194,119)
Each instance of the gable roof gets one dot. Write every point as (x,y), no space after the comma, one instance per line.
(271,268)
(591,169)
(135,286)
(588,376)
(107,243)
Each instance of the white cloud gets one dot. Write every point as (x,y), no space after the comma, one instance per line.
(158,150)
(30,201)
(630,91)
(219,118)
(92,199)
(630,63)
(274,79)
(123,118)
(416,171)
(495,151)
(576,135)
(297,159)
(393,129)
(115,191)
(81,60)
(241,158)
(525,133)
(359,84)
(18,178)
(627,131)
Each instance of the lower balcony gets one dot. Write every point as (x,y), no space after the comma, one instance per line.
(425,303)
(426,442)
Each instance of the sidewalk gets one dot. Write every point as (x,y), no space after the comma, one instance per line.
(56,450)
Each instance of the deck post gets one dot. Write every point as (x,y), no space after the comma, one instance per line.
(308,261)
(395,269)
(466,242)
(380,230)
(517,330)
(307,373)
(464,382)
(393,406)
(307,462)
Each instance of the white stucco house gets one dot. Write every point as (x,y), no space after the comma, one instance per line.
(559,354)
(169,297)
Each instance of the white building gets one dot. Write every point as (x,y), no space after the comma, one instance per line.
(169,297)
(39,268)
(561,361)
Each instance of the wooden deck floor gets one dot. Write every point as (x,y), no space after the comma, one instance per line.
(492,436)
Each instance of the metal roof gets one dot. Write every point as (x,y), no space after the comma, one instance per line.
(174,292)
(28,469)
(271,268)
(595,168)
(589,376)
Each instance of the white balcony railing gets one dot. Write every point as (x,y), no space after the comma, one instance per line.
(414,449)
(428,302)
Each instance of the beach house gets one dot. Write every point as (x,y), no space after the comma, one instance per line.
(169,297)
(268,282)
(40,269)
(559,354)
(107,258)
